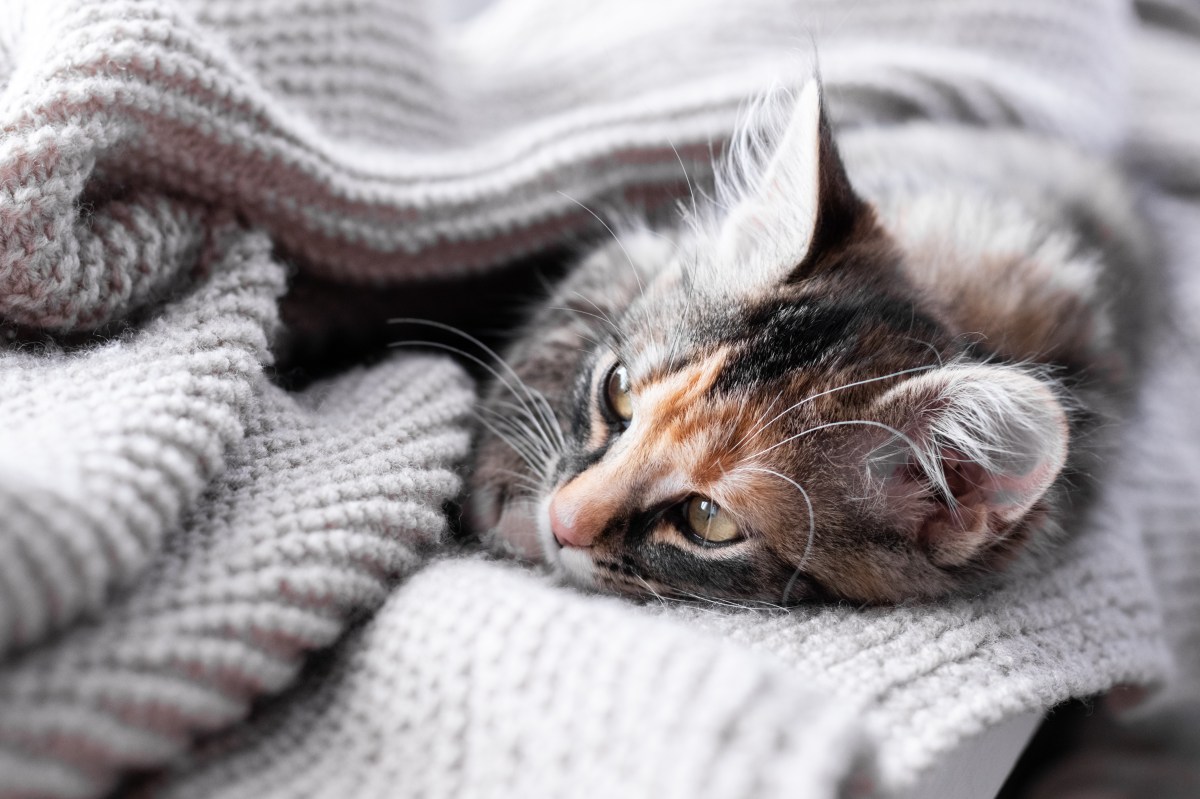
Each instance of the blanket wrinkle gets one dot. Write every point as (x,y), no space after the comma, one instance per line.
(106,448)
(179,534)
(644,720)
(324,501)
(141,91)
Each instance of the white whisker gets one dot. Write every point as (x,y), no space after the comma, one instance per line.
(812,528)
(582,312)
(650,588)
(616,238)
(458,351)
(540,406)
(759,421)
(928,464)
(686,177)
(535,437)
(599,310)
(517,446)
(844,387)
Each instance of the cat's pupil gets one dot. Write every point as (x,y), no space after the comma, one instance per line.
(616,393)
(708,522)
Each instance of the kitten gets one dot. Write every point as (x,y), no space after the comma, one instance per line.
(873,390)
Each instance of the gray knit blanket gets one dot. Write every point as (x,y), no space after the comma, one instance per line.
(213,587)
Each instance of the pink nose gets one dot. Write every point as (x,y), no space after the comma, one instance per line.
(565,524)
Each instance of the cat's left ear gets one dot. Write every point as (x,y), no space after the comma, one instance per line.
(802,205)
(983,446)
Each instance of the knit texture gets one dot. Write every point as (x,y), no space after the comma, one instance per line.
(179,534)
(477,679)
(210,528)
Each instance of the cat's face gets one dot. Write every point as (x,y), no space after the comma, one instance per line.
(760,415)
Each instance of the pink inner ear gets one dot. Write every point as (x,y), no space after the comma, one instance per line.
(982,505)
(954,528)
(1002,442)
(967,481)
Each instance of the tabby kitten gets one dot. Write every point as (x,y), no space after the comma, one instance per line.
(873,390)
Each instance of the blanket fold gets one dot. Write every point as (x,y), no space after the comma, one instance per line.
(325,500)
(106,447)
(470,659)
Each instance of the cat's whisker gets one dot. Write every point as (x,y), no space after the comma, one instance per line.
(844,387)
(525,428)
(516,446)
(828,425)
(535,434)
(687,178)
(732,604)
(637,276)
(536,399)
(462,353)
(755,428)
(812,528)
(926,461)
(615,327)
(518,439)
(555,427)
(533,439)
(582,312)
(688,599)
(599,310)
(692,598)
(650,588)
(515,491)
(515,440)
(927,345)
(521,480)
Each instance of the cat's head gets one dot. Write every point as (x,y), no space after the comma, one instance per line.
(773,412)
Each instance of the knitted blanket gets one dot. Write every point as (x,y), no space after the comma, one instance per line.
(211,586)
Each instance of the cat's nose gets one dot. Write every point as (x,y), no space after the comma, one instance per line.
(570,527)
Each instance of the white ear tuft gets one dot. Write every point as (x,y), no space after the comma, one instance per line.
(991,440)
(780,207)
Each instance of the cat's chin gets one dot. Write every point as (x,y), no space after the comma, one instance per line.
(575,567)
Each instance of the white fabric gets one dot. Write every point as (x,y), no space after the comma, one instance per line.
(178,534)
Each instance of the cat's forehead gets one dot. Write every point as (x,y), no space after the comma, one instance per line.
(786,339)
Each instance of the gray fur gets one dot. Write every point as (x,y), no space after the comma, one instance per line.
(968,232)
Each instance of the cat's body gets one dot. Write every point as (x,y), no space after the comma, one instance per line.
(875,387)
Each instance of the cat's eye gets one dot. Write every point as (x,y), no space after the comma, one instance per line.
(708,523)
(616,393)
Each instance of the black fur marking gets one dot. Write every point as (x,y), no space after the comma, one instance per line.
(674,566)
(579,404)
(577,462)
(806,588)
(790,335)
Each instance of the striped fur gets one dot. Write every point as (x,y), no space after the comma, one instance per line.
(888,384)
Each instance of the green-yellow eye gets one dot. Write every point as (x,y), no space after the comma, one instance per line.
(708,522)
(616,394)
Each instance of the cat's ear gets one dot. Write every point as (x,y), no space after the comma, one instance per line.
(802,202)
(984,445)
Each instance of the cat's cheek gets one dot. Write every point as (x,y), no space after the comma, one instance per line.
(482,510)
(517,534)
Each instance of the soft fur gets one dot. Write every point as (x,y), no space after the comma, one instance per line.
(888,372)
